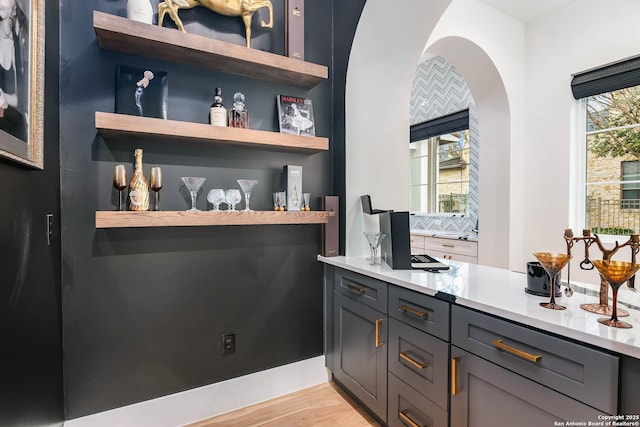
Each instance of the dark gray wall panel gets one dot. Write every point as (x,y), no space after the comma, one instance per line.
(144,309)
(30,331)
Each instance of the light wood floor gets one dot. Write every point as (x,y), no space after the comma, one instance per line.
(325,405)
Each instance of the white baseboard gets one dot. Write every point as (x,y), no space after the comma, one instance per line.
(215,399)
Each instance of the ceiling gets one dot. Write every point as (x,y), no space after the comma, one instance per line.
(525,10)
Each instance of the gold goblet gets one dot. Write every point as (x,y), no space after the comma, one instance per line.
(616,273)
(120,182)
(156,185)
(552,264)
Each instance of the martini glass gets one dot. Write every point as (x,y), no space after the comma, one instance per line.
(193,184)
(374,240)
(616,273)
(247,186)
(552,264)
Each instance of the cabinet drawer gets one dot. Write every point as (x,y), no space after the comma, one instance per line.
(368,291)
(417,241)
(420,360)
(424,312)
(460,247)
(407,407)
(588,375)
(453,257)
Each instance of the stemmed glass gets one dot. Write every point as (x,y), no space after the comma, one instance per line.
(156,185)
(193,184)
(616,273)
(247,186)
(374,240)
(231,197)
(367,235)
(552,264)
(215,197)
(120,182)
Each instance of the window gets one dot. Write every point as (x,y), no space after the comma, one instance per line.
(439,173)
(612,186)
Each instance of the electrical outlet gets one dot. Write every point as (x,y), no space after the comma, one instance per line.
(437,222)
(228,344)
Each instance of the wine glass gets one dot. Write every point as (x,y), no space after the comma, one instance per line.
(156,184)
(193,184)
(616,273)
(374,240)
(231,197)
(120,182)
(552,264)
(215,197)
(247,186)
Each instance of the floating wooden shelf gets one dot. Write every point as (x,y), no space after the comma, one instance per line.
(127,36)
(112,125)
(128,219)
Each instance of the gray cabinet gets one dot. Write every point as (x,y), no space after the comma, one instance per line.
(360,340)
(489,395)
(501,369)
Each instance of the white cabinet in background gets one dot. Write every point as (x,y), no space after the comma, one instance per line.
(440,247)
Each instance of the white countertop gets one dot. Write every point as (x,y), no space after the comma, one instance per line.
(501,293)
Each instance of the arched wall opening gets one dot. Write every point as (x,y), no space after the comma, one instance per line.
(379,78)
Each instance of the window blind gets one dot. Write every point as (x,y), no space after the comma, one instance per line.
(440,126)
(607,78)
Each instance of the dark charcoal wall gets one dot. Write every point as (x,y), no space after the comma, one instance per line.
(30,331)
(144,309)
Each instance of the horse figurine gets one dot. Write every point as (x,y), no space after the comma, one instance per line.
(242,8)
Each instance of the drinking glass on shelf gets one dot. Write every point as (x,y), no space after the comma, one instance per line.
(305,201)
(156,185)
(193,184)
(277,201)
(215,197)
(120,182)
(283,200)
(247,186)
(231,197)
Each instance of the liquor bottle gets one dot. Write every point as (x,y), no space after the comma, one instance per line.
(238,114)
(138,187)
(217,112)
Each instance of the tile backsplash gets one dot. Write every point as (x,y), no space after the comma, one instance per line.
(454,224)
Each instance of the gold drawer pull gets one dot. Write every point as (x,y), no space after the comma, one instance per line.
(405,356)
(405,418)
(448,246)
(516,352)
(407,309)
(356,288)
(378,342)
(454,375)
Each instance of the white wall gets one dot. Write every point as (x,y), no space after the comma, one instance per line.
(385,53)
(487,48)
(582,35)
(469,35)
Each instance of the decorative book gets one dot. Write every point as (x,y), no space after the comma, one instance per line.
(295,115)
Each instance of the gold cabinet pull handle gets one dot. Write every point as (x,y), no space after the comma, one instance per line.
(454,375)
(448,246)
(356,288)
(405,356)
(404,417)
(497,343)
(407,309)
(378,342)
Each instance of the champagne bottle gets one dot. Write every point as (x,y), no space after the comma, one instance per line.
(138,187)
(217,112)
